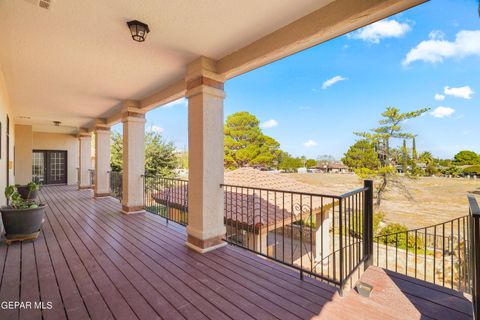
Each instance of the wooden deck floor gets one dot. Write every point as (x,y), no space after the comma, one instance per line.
(92,262)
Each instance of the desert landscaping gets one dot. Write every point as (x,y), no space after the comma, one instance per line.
(435,199)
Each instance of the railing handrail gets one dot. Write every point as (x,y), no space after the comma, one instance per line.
(285,191)
(474,207)
(422,228)
(162,177)
(356,191)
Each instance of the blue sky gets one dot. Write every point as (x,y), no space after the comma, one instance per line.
(403,61)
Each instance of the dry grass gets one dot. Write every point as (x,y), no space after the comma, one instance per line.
(435,200)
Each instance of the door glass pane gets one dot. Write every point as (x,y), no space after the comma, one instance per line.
(57,167)
(38,167)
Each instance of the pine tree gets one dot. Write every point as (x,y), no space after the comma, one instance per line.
(414,156)
(390,128)
(404,157)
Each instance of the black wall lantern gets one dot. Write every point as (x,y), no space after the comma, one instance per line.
(138,30)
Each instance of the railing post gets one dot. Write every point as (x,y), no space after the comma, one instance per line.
(340,244)
(475,253)
(368,223)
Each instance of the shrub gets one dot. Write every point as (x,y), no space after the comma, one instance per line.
(357,231)
(396,234)
(473,170)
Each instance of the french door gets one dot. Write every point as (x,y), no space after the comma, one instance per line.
(49,167)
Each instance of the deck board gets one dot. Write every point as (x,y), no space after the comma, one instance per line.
(92,262)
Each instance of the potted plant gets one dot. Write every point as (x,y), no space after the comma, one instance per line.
(29,191)
(22,219)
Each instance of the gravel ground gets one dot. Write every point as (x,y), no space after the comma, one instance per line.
(435,199)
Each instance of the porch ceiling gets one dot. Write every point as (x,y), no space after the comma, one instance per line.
(77,62)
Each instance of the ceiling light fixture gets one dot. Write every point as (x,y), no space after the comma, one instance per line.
(138,30)
(56,123)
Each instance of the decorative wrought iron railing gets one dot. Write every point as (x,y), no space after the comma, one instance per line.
(436,254)
(91,175)
(474,254)
(324,236)
(116,184)
(167,197)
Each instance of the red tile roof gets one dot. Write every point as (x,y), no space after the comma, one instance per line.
(259,198)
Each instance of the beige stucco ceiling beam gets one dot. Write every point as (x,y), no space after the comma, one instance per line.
(166,95)
(333,20)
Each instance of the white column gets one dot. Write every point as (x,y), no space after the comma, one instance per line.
(102,161)
(205,94)
(322,236)
(85,160)
(258,242)
(133,158)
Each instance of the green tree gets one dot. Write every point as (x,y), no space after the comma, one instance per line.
(453,171)
(390,128)
(404,157)
(362,155)
(246,145)
(160,157)
(116,151)
(427,158)
(289,163)
(311,163)
(414,156)
(466,157)
(472,171)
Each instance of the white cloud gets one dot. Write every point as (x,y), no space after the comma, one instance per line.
(460,92)
(436,35)
(181,102)
(270,124)
(155,128)
(332,81)
(442,112)
(310,143)
(439,97)
(435,50)
(382,29)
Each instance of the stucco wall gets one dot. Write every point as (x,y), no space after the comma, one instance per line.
(5,109)
(23,154)
(56,141)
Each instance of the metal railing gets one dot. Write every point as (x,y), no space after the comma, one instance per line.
(436,254)
(166,197)
(91,175)
(474,254)
(324,236)
(116,182)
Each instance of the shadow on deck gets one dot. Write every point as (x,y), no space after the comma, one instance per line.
(91,261)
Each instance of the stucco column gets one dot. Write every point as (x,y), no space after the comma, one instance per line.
(85,160)
(102,161)
(258,242)
(322,237)
(205,95)
(133,158)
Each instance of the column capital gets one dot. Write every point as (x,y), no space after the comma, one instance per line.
(101,125)
(83,134)
(202,77)
(100,129)
(131,111)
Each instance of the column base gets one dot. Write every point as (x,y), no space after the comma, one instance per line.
(101,194)
(84,187)
(204,246)
(132,209)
